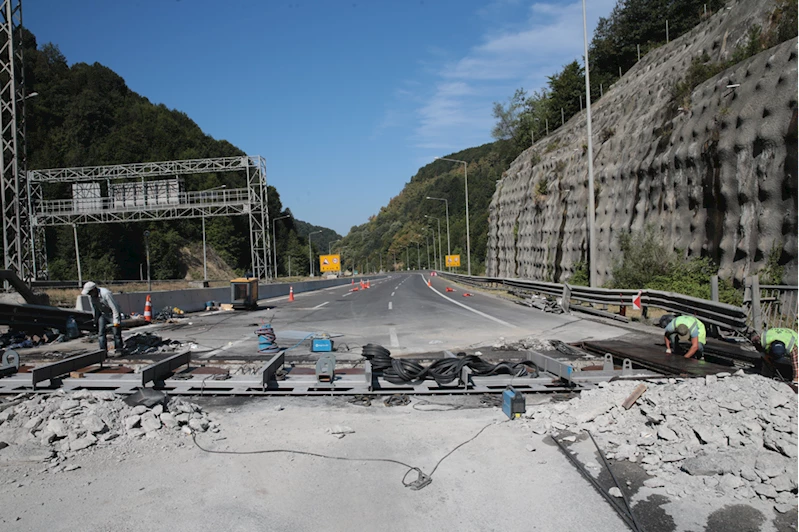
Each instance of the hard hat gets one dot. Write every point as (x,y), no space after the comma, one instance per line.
(777,349)
(88,287)
(683,332)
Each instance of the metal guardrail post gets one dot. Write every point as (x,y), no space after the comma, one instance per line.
(757,312)
(714,288)
(567,294)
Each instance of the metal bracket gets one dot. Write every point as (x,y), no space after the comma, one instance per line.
(326,368)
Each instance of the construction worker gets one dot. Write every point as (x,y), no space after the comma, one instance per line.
(686,329)
(776,345)
(106,312)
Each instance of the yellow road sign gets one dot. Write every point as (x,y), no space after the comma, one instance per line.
(329,263)
(453,261)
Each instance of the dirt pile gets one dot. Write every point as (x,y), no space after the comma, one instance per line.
(55,427)
(722,437)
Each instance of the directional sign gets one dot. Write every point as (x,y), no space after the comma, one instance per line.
(453,261)
(637,301)
(329,263)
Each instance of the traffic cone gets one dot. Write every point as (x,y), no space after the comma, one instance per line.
(467,294)
(148,309)
(362,285)
(449,289)
(291,294)
(428,283)
(368,284)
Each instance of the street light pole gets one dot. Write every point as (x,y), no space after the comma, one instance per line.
(274,239)
(592,256)
(310,257)
(466,189)
(438,220)
(446,204)
(330,243)
(77,254)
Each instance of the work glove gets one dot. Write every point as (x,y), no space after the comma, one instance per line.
(668,351)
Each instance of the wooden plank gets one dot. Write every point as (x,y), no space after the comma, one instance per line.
(638,392)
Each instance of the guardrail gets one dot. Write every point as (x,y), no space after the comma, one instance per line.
(710,312)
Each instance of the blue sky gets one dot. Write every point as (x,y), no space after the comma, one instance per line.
(344,99)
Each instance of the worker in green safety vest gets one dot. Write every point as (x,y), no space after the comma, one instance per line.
(684,331)
(777,345)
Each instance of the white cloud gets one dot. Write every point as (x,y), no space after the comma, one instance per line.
(456,113)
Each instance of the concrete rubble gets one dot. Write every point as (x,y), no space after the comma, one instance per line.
(724,437)
(53,428)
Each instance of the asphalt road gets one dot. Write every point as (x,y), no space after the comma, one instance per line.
(400,311)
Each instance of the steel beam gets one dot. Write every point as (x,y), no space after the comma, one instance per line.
(270,368)
(62,367)
(156,372)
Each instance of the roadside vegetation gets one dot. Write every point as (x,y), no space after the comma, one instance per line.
(85,115)
(646,262)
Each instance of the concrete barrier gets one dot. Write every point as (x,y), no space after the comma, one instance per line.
(193,300)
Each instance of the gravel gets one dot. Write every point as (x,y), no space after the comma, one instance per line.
(722,438)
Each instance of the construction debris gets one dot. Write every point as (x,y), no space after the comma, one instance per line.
(726,436)
(53,428)
(148,343)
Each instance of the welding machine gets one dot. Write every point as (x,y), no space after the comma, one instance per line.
(321,344)
(513,403)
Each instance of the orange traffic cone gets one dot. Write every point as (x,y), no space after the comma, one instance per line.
(291,293)
(428,283)
(362,285)
(148,309)
(368,284)
(450,289)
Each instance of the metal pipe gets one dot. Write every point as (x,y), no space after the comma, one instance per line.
(466,190)
(147,251)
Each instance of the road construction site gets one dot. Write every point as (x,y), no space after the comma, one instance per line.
(240,427)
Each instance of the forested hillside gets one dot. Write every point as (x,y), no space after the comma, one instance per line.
(402,222)
(86,115)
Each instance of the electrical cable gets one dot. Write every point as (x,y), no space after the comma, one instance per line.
(421,481)
(443,371)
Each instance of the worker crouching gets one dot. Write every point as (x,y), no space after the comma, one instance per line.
(779,346)
(106,312)
(686,336)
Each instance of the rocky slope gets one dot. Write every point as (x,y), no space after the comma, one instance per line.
(716,173)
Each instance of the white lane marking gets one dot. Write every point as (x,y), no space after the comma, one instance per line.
(222,349)
(483,314)
(320,305)
(345,295)
(390,305)
(392,332)
(392,294)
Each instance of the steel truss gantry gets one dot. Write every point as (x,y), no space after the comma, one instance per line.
(14,194)
(251,200)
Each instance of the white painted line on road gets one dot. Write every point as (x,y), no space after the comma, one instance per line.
(392,294)
(483,314)
(392,332)
(230,345)
(320,305)
(390,305)
(345,295)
